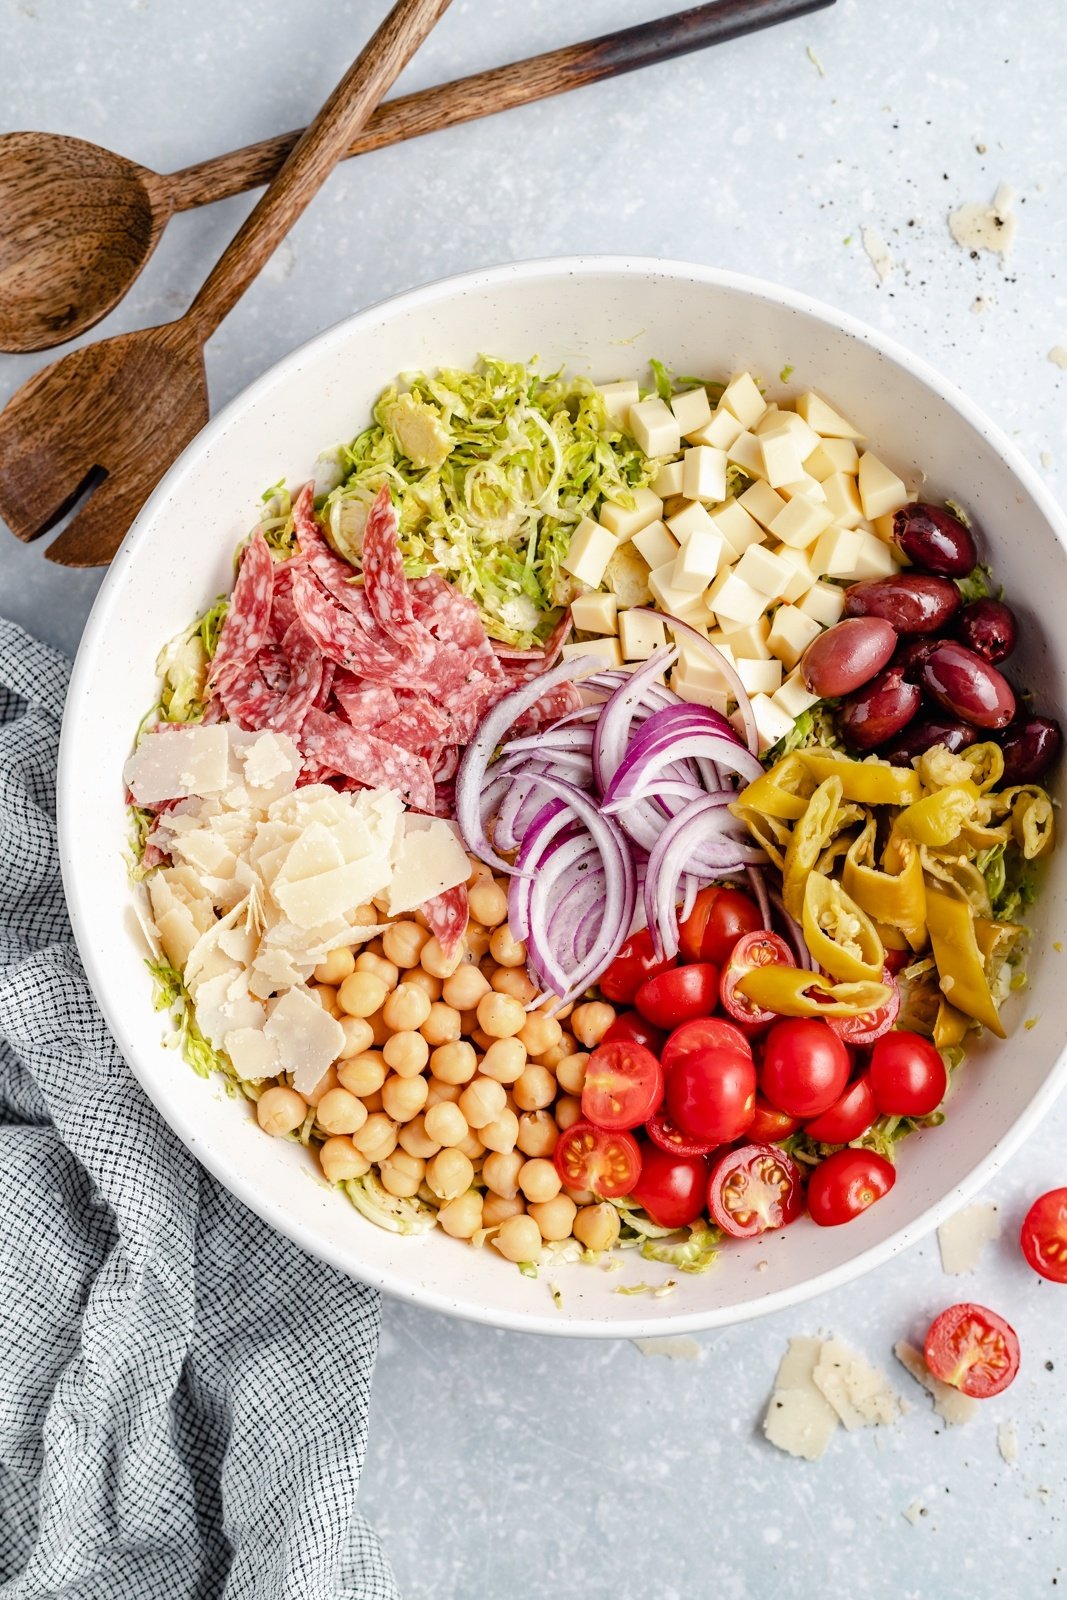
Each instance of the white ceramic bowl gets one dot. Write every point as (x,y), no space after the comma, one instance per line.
(605,317)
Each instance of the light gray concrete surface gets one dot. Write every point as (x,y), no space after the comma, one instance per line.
(529,1468)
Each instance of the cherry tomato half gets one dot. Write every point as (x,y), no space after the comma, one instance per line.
(754,1190)
(718,919)
(632,1028)
(593,1158)
(703,1033)
(908,1076)
(680,995)
(850,1115)
(769,1124)
(870,1025)
(662,1131)
(1044,1236)
(671,1187)
(712,1095)
(805,1066)
(973,1349)
(754,950)
(623,1086)
(635,962)
(846,1184)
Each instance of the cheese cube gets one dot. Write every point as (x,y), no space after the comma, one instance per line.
(692,518)
(794,697)
(596,613)
(765,571)
(836,553)
(842,500)
(655,428)
(606,651)
(806,485)
(668,480)
(771,723)
(742,397)
(704,473)
(874,559)
(881,491)
(624,522)
(733,600)
(698,666)
(821,416)
(691,410)
(761,502)
(830,456)
(591,548)
(640,634)
(698,562)
(619,397)
(824,602)
(745,453)
(771,418)
(656,544)
(721,432)
(760,677)
(735,527)
(668,596)
(791,633)
(700,694)
(800,522)
(805,438)
(804,574)
(748,641)
(781,457)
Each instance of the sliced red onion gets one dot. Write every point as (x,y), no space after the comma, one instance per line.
(794,934)
(759,889)
(725,669)
(616,717)
(669,863)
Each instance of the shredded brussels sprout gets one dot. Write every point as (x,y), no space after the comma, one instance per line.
(172,995)
(695,1254)
(386,1210)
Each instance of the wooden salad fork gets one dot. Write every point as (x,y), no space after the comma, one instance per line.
(110,418)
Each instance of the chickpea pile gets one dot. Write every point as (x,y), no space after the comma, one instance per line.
(448,1087)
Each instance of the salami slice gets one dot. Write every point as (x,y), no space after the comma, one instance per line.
(245,695)
(329,742)
(247,626)
(364,704)
(283,611)
(387,590)
(452,618)
(522,666)
(338,634)
(287,712)
(418,726)
(273,664)
(447,917)
(555,702)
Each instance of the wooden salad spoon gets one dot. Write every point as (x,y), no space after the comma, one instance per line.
(112,417)
(77,222)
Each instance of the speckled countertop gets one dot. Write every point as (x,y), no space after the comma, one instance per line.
(503,1465)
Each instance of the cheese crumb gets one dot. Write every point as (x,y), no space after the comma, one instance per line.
(1058,356)
(985,226)
(963,1238)
(949,1403)
(914,1513)
(1008,1442)
(878,251)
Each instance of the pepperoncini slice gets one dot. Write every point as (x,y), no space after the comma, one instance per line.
(793,992)
(958,872)
(960,966)
(770,833)
(951,1026)
(869,783)
(1033,821)
(811,834)
(839,934)
(783,791)
(937,818)
(894,893)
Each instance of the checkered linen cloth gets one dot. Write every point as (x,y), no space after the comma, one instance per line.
(183,1394)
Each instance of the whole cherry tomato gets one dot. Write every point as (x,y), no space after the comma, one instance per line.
(674,997)
(850,1115)
(718,919)
(769,1124)
(631,1027)
(712,1095)
(805,1066)
(635,962)
(703,1033)
(908,1075)
(671,1187)
(846,1184)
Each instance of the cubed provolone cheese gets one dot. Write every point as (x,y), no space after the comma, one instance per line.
(697,692)
(771,723)
(781,457)
(836,553)
(881,491)
(737,528)
(791,633)
(800,522)
(668,596)
(761,502)
(640,634)
(745,453)
(765,571)
(656,544)
(805,438)
(690,519)
(619,397)
(721,432)
(704,473)
(759,677)
(803,573)
(692,409)
(749,640)
(733,600)
(625,521)
(603,654)
(596,612)
(794,697)
(843,500)
(668,480)
(655,428)
(824,602)
(743,398)
(830,456)
(820,415)
(874,559)
(591,548)
(697,562)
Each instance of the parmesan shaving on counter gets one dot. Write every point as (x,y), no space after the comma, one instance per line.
(821,1383)
(949,1403)
(963,1238)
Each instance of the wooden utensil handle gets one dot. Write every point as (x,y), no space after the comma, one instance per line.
(500,89)
(315,155)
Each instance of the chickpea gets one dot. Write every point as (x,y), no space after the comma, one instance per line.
(537,1134)
(328,1081)
(581,1197)
(414,1139)
(519,1239)
(367,915)
(501,1015)
(335,968)
(468,1023)
(479,1038)
(505,950)
(280,1110)
(482,1100)
(477,939)
(407,1054)
(326,995)
(558,1052)
(364,1074)
(403,943)
(370,961)
(442,1026)
(372,1102)
(479,872)
(440,1092)
(362,994)
(449,1174)
(516,982)
(377,1137)
(434,960)
(406,1008)
(462,1217)
(380,1029)
(589,1023)
(597,1227)
(359,1036)
(472,1147)
(340,1112)
(404,1098)
(535,1089)
(554,1217)
(501,1173)
(488,903)
(570,1072)
(465,987)
(567,1111)
(446,1123)
(340,1160)
(539,1181)
(502,1133)
(402,1174)
(495,1209)
(455,1062)
(425,981)
(504,1060)
(540,1033)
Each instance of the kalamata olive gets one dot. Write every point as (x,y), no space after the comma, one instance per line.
(847,655)
(935,540)
(967,686)
(1030,746)
(912,603)
(911,656)
(988,627)
(879,710)
(918,737)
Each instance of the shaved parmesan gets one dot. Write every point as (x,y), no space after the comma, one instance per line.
(858,1393)
(429,860)
(308,1039)
(252,1053)
(799,1419)
(963,1238)
(949,1403)
(179,763)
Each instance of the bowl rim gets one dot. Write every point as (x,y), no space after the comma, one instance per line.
(271,1209)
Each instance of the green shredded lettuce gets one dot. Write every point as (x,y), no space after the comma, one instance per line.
(527,1268)
(661,378)
(170,994)
(276,521)
(183,666)
(656,1290)
(786,372)
(978,584)
(814,726)
(1011,881)
(695,1254)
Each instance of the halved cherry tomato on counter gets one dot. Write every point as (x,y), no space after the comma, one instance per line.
(846,1184)
(850,1115)
(631,1027)
(718,919)
(868,1026)
(769,1124)
(678,996)
(703,1033)
(1044,1236)
(973,1349)
(593,1158)
(623,1086)
(663,1132)
(712,1095)
(635,962)
(671,1188)
(908,1076)
(805,1066)
(761,949)
(754,1190)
